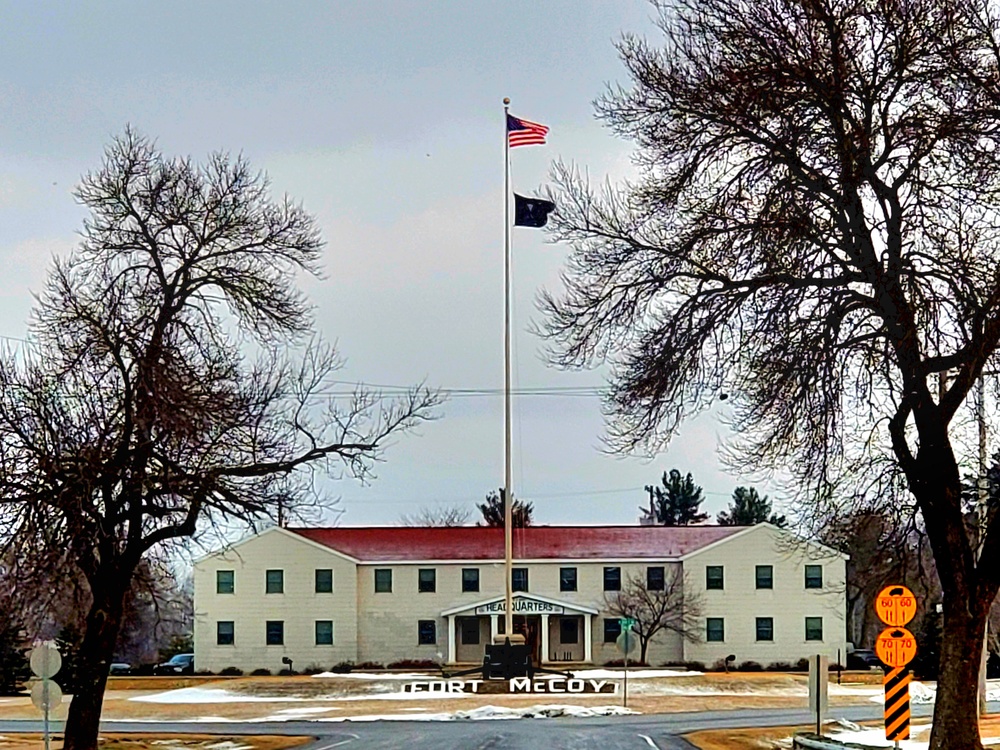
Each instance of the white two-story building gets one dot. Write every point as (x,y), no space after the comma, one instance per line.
(321,596)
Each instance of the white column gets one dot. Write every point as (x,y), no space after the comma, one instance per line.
(494,627)
(588,654)
(451,638)
(545,638)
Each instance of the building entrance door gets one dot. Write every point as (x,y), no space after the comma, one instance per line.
(530,626)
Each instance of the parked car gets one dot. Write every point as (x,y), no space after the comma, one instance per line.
(120,668)
(862,658)
(178,664)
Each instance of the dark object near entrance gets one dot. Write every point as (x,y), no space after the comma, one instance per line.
(506,660)
(862,658)
(179,664)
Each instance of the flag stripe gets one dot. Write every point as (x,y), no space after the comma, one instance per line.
(524,132)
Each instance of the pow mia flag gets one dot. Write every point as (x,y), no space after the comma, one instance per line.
(531,212)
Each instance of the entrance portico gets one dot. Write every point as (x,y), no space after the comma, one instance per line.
(551,627)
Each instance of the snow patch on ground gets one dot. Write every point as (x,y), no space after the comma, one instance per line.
(875,737)
(617,674)
(920,693)
(209,695)
(494,713)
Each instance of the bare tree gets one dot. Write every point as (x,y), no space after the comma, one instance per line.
(815,229)
(447,515)
(657,610)
(140,417)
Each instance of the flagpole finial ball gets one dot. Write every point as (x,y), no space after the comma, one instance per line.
(506,100)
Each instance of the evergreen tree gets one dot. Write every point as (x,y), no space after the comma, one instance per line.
(13,664)
(676,503)
(493,511)
(747,508)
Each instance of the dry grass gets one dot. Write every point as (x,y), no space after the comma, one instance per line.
(161,742)
(346,697)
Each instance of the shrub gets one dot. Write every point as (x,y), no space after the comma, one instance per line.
(370,665)
(802,665)
(313,669)
(230,672)
(719,665)
(261,672)
(342,667)
(286,672)
(695,666)
(204,672)
(414,664)
(750,666)
(621,663)
(779,666)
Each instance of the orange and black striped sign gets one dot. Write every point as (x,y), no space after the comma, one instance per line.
(897,703)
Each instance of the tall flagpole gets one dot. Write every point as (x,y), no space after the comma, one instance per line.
(508,494)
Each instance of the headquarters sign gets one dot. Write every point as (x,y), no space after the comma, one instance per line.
(521,607)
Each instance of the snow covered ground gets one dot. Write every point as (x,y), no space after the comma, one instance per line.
(875,736)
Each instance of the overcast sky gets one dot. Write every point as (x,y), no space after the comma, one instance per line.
(385,120)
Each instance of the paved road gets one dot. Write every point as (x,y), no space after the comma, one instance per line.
(659,732)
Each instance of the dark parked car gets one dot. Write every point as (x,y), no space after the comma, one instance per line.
(120,668)
(862,658)
(179,664)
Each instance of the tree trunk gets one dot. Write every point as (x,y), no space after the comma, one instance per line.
(96,653)
(956,706)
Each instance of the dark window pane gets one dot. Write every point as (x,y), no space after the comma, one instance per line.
(654,578)
(519,579)
(324,632)
(383,580)
(814,576)
(324,581)
(225,633)
(567,579)
(764,577)
(765,628)
(569,630)
(715,629)
(275,582)
(814,628)
(612,579)
(713,577)
(275,632)
(469,627)
(470,579)
(225,582)
(426,632)
(426,580)
(612,629)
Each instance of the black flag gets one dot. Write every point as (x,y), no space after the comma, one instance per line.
(531,212)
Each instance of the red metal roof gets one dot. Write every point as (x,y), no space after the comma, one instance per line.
(380,543)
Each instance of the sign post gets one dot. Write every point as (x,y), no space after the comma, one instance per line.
(819,679)
(896,646)
(45,662)
(626,643)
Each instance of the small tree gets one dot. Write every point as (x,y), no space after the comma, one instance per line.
(676,503)
(450,515)
(656,611)
(747,508)
(493,511)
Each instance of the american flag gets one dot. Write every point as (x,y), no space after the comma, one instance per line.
(524,132)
